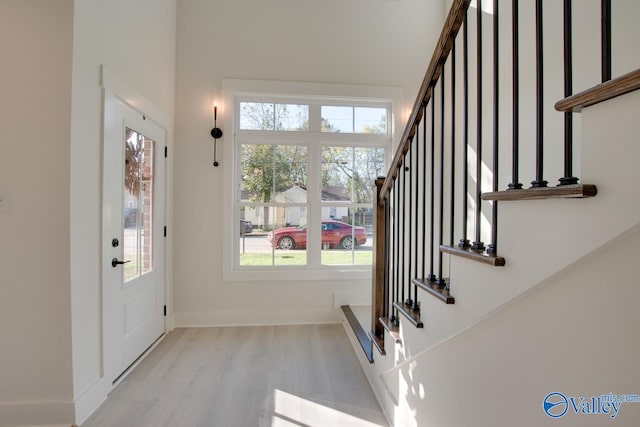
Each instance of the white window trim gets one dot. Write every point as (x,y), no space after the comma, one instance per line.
(258,89)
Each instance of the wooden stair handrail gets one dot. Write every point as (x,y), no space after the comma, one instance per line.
(440,55)
(602,92)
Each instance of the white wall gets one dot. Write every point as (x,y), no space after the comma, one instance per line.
(35,116)
(377,43)
(136,41)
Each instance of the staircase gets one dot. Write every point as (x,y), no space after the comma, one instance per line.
(471,302)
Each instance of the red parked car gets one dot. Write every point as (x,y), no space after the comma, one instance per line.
(334,234)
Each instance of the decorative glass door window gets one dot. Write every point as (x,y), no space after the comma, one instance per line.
(138,202)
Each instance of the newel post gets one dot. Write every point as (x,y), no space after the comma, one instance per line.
(380,284)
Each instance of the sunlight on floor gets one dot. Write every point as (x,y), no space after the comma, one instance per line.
(291,410)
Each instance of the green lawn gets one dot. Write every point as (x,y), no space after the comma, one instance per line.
(345,257)
(330,257)
(288,258)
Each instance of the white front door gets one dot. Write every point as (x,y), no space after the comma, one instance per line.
(133,252)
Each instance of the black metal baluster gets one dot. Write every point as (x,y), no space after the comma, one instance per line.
(441,282)
(409,170)
(492,249)
(432,277)
(453,145)
(606,40)
(389,261)
(539,181)
(568,178)
(416,169)
(385,296)
(424,189)
(396,226)
(478,245)
(389,252)
(403,197)
(464,241)
(515,54)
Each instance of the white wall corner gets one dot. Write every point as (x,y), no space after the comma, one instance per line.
(170,323)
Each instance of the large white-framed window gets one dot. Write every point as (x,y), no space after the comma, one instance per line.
(300,169)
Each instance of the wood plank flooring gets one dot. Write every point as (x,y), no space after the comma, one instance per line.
(300,376)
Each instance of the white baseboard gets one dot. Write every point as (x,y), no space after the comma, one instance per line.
(255,317)
(34,413)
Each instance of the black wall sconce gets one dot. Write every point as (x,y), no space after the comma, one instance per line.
(216,133)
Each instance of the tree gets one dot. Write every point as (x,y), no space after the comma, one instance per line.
(271,116)
(380,128)
(353,168)
(267,170)
(133,162)
(326,126)
(270,169)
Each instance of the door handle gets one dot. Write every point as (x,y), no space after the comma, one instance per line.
(115,262)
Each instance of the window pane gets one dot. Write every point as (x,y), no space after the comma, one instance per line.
(336,119)
(146,238)
(138,205)
(257,116)
(348,174)
(350,241)
(368,165)
(281,242)
(337,173)
(271,116)
(292,117)
(370,120)
(273,173)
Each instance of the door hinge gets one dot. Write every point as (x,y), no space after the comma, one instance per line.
(165,152)
(165,231)
(165,311)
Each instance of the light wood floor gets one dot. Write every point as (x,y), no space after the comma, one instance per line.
(245,377)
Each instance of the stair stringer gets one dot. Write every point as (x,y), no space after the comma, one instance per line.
(574,333)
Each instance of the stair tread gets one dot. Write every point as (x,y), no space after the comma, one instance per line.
(496,261)
(576,191)
(602,92)
(433,289)
(392,330)
(412,315)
